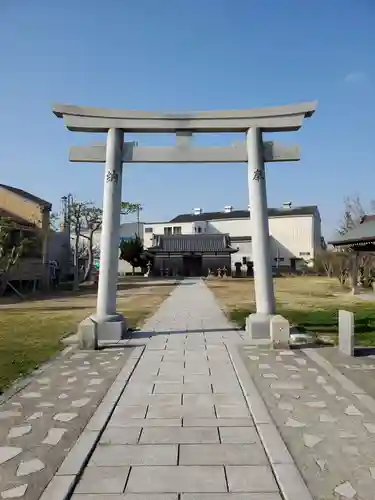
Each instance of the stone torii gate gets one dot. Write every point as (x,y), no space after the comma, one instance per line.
(107,324)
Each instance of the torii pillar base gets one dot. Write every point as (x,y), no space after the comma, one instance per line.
(94,332)
(258,328)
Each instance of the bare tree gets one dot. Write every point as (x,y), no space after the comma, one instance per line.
(76,222)
(353,266)
(85,220)
(324,262)
(54,221)
(12,246)
(93,218)
(353,214)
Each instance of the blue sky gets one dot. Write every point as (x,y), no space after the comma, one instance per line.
(179,55)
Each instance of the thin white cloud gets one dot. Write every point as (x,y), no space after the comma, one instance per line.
(355,77)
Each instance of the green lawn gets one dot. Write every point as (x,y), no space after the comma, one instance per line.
(323,321)
(310,303)
(31,331)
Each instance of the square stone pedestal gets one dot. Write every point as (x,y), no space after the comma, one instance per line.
(93,331)
(266,329)
(280,332)
(258,328)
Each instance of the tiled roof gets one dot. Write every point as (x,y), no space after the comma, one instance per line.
(362,233)
(245,214)
(188,243)
(27,196)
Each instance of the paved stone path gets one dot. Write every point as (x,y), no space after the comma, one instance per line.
(326,420)
(184,420)
(41,421)
(182,428)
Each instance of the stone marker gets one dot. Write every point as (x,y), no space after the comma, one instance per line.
(258,326)
(88,334)
(280,332)
(346,332)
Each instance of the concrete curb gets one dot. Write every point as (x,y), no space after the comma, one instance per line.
(64,481)
(287,475)
(348,385)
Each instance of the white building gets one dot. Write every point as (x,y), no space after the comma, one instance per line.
(295,233)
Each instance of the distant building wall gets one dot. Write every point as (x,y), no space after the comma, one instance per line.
(292,237)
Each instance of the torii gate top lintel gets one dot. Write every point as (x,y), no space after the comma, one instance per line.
(273,119)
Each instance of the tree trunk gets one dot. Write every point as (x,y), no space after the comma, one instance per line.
(90,260)
(354,274)
(76,268)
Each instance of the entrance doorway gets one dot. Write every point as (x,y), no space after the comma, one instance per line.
(192,265)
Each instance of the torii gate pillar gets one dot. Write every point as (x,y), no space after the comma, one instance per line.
(106,325)
(110,235)
(258,325)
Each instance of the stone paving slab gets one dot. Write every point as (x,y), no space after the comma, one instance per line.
(40,423)
(360,370)
(222,454)
(132,496)
(178,478)
(184,496)
(328,429)
(179,435)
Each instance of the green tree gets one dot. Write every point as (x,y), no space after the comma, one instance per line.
(128,208)
(132,251)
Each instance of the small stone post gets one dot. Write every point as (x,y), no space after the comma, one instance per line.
(346,332)
(280,332)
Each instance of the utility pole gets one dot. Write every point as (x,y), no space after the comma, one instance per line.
(139,208)
(67,202)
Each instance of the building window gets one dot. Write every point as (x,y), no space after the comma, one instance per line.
(148,230)
(177,230)
(304,254)
(167,231)
(199,229)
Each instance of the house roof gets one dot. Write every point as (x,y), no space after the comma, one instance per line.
(245,214)
(27,196)
(16,218)
(189,243)
(364,232)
